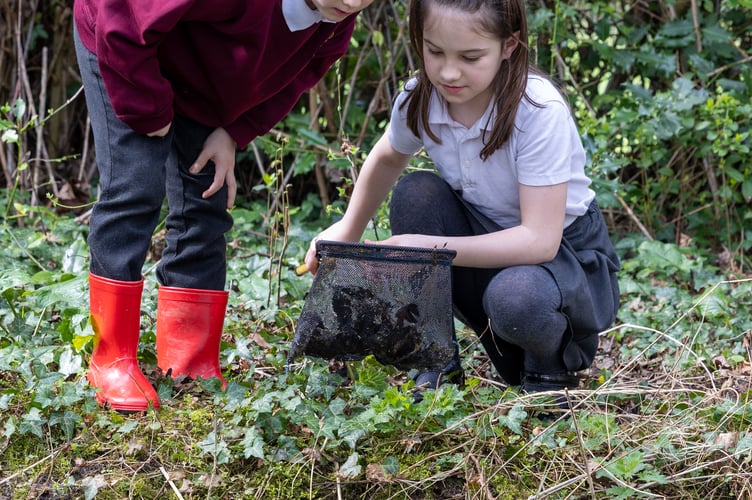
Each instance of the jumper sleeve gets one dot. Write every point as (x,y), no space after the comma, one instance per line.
(128,35)
(263,117)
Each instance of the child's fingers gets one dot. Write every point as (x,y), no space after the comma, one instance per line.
(215,186)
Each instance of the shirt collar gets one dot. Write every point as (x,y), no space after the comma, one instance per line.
(438,112)
(300,16)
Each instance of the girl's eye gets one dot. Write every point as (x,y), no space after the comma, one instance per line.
(470,59)
(434,52)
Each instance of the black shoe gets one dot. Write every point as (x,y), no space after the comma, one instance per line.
(433,379)
(544,382)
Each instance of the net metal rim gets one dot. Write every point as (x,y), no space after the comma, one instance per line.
(386,253)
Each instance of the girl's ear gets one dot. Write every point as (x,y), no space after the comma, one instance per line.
(510,44)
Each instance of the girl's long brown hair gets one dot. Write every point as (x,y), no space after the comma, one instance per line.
(503,18)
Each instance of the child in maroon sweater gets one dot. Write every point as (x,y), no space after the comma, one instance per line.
(173,88)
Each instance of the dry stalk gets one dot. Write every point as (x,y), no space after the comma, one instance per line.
(171,483)
(581,447)
(482,482)
(411,486)
(634,218)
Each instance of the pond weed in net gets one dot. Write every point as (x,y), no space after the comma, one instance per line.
(392,302)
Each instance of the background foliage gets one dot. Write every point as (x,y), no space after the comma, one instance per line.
(662,96)
(662,92)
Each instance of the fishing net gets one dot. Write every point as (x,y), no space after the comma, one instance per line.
(392,302)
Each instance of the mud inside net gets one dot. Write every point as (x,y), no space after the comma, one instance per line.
(392,302)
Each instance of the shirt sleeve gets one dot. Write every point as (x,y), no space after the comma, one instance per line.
(401,137)
(547,144)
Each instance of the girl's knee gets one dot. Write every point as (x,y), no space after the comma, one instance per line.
(523,302)
(415,202)
(417,187)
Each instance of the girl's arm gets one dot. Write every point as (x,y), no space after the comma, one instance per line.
(536,240)
(380,172)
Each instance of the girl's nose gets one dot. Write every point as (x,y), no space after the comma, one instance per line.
(449,72)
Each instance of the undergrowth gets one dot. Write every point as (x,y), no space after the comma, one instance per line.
(664,411)
(660,91)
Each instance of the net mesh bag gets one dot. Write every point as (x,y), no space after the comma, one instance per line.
(392,302)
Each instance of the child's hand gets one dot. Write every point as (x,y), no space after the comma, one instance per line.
(311,259)
(336,232)
(220,148)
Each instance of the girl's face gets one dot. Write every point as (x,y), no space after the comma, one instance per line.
(461,61)
(337,10)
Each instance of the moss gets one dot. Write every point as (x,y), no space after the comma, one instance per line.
(283,481)
(141,486)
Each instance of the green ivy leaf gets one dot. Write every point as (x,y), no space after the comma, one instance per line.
(32,422)
(252,443)
(351,469)
(216,447)
(67,421)
(513,420)
(391,466)
(70,363)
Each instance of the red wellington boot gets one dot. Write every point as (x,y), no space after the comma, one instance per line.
(189,330)
(113,369)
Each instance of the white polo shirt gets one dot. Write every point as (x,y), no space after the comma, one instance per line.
(544,149)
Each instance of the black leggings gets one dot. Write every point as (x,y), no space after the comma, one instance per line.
(516,311)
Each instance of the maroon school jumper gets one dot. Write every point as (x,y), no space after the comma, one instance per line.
(223,63)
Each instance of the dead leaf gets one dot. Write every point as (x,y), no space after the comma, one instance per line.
(374,472)
(210,480)
(261,341)
(721,362)
(312,453)
(186,486)
(134,447)
(747,340)
(726,440)
(410,443)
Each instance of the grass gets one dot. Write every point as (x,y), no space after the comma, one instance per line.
(664,411)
